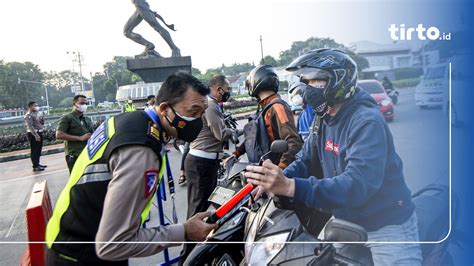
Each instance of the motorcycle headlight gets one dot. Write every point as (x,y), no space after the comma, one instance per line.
(262,253)
(231,223)
(386,102)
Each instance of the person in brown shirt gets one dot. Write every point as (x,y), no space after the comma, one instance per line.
(34,127)
(263,84)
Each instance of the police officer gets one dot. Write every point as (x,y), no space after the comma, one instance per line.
(128,106)
(111,187)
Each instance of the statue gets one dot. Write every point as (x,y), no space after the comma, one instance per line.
(143,12)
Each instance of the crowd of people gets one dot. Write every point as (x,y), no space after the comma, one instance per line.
(341,158)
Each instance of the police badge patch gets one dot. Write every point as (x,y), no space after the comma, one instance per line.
(97,139)
(151,180)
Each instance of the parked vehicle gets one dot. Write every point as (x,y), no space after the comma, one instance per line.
(432,91)
(377,91)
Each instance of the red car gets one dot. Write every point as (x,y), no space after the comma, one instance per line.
(376,90)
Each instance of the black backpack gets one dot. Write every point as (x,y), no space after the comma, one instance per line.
(257,142)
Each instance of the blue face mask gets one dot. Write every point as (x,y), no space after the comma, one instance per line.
(188,128)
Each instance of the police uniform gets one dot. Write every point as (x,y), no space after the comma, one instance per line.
(129,108)
(109,195)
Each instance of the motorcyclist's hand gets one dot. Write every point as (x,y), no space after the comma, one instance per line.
(258,192)
(195,229)
(271,178)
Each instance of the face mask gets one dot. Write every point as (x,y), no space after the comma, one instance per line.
(188,128)
(297,100)
(82,108)
(315,98)
(36,108)
(130,102)
(225,96)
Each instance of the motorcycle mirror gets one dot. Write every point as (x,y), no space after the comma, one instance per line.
(279,146)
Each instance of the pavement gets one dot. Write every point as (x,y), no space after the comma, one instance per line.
(22,154)
(421,139)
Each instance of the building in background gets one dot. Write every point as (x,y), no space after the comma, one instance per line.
(384,58)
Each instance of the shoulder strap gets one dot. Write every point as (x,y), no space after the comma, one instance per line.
(266,107)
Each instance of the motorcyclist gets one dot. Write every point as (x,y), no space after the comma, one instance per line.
(306,117)
(363,175)
(387,84)
(278,122)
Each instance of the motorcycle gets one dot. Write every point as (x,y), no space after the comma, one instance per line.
(391,91)
(280,221)
(231,203)
(394,96)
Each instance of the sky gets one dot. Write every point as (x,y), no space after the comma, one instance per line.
(212,32)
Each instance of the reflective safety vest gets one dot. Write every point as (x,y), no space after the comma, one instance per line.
(129,107)
(79,207)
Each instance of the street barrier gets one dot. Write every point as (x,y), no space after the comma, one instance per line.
(38,212)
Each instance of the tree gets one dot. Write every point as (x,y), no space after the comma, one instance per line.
(298,48)
(66,102)
(269,60)
(195,71)
(115,74)
(15,94)
(59,85)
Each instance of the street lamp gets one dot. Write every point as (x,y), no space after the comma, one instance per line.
(40,83)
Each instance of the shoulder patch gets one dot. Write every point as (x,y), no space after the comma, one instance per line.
(153,131)
(151,181)
(97,139)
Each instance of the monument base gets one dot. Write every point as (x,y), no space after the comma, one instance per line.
(157,69)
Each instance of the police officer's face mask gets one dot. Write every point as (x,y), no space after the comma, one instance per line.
(188,128)
(225,96)
(314,96)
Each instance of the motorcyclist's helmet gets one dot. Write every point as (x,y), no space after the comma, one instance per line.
(297,88)
(333,65)
(262,78)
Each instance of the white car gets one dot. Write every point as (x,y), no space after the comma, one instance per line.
(432,91)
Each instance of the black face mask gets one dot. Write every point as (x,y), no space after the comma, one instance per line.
(315,98)
(225,96)
(188,128)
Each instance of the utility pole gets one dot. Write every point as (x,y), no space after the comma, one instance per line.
(77,57)
(92,88)
(261,49)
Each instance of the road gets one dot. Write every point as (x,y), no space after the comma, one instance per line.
(421,139)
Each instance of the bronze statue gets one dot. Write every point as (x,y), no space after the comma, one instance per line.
(143,12)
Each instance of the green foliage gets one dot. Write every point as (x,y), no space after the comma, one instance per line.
(408,73)
(404,83)
(66,102)
(301,47)
(14,95)
(269,60)
(115,75)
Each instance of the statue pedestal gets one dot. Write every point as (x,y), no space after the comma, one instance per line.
(158,69)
